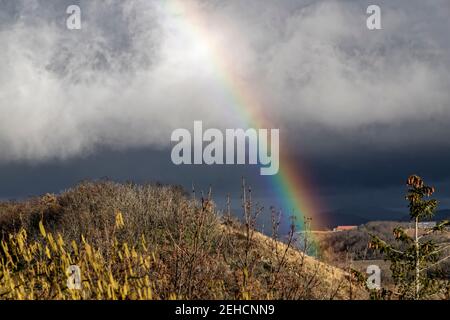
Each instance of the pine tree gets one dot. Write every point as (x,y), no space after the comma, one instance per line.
(411,266)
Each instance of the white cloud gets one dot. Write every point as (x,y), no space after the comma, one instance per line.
(136,71)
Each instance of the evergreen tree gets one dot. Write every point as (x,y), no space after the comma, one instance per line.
(411,266)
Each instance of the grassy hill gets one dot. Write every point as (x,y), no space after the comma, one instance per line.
(151,242)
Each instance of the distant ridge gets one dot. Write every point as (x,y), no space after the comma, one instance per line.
(358,215)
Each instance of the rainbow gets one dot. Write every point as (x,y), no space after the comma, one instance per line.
(291,186)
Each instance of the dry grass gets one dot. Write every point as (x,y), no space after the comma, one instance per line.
(152,242)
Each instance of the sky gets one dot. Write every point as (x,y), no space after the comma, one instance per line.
(360,109)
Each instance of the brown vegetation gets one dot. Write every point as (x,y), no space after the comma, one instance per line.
(152,242)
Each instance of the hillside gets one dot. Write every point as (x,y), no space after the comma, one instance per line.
(342,248)
(151,242)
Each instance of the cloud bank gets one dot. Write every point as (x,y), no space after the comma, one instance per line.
(135,72)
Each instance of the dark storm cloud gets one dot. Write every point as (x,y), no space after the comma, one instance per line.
(362,108)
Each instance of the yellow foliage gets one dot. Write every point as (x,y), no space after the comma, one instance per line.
(119,220)
(43,266)
(42,229)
